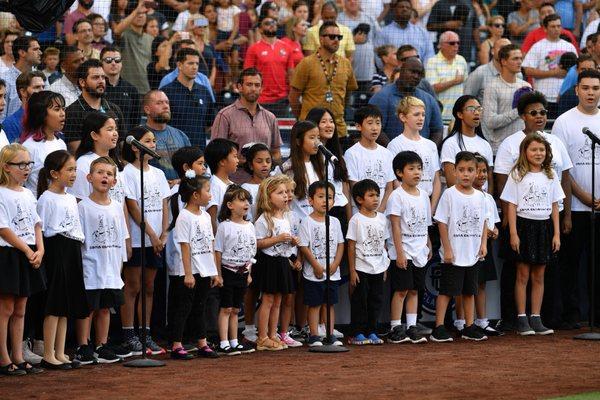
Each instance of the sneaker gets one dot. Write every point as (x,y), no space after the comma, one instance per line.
(489,331)
(414,336)
(472,333)
(505,326)
(152,348)
(207,352)
(120,351)
(244,349)
(321,330)
(333,342)
(267,344)
(29,355)
(523,327)
(133,345)
(374,339)
(228,351)
(280,342)
(250,335)
(296,333)
(338,334)
(314,341)
(180,354)
(359,340)
(423,330)
(440,335)
(38,347)
(190,348)
(287,339)
(538,327)
(397,335)
(85,355)
(105,355)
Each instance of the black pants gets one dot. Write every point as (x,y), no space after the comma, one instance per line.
(184,302)
(365,303)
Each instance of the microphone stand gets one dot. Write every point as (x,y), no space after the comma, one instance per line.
(143,362)
(329,347)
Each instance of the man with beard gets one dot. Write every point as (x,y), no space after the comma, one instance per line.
(84,8)
(168,139)
(272,58)
(92,82)
(70,60)
(387,100)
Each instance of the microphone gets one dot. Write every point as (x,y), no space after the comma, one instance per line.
(325,151)
(130,140)
(586,131)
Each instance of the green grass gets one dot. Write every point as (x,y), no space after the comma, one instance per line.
(581,396)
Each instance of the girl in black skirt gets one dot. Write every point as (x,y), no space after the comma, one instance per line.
(532,192)
(63,236)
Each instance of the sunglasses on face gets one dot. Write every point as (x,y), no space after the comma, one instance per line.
(498,25)
(534,113)
(269,23)
(109,60)
(454,43)
(334,37)
(22,165)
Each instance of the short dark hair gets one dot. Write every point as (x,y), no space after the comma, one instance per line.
(66,50)
(550,18)
(546,4)
(298,4)
(593,37)
(325,25)
(585,57)
(531,98)
(312,189)
(465,156)
(365,112)
(84,68)
(109,48)
(22,43)
(403,49)
(185,155)
(183,53)
(217,150)
(401,1)
(24,80)
(403,159)
(361,188)
(588,73)
(330,3)
(79,22)
(2,83)
(248,72)
(504,51)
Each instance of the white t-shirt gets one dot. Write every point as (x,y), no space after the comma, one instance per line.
(415,217)
(533,195)
(339,199)
(182,20)
(156,189)
(301,206)
(196,230)
(428,152)
(38,152)
(217,192)
(19,214)
(82,188)
(60,215)
(567,128)
(312,235)
(376,164)
(280,225)
(492,211)
(103,251)
(464,214)
(370,235)
(236,243)
(476,144)
(3,139)
(225,17)
(253,189)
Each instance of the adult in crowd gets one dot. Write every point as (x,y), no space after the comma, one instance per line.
(567,127)
(456,16)
(522,21)
(542,63)
(401,31)
(82,30)
(295,32)
(70,60)
(571,12)
(28,83)
(92,82)
(323,79)
(208,59)
(478,80)
(329,13)
(191,104)
(387,100)
(192,12)
(162,50)
(7,60)
(593,49)
(447,72)
(118,90)
(84,8)
(3,139)
(539,33)
(495,26)
(406,52)
(99,30)
(273,59)
(568,99)
(501,117)
(168,138)
(385,75)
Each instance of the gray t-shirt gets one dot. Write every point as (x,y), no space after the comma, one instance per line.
(136,50)
(363,60)
(517,18)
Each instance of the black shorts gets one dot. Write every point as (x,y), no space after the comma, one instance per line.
(233,290)
(411,278)
(486,270)
(314,292)
(151,259)
(458,280)
(98,299)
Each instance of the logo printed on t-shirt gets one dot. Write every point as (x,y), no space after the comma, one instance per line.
(105,236)
(319,242)
(374,171)
(585,151)
(468,223)
(535,196)
(243,249)
(416,222)
(68,223)
(23,222)
(152,199)
(373,243)
(200,242)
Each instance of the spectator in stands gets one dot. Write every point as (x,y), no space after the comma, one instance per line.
(295,33)
(447,72)
(495,26)
(3,139)
(192,106)
(27,84)
(84,8)
(168,139)
(7,60)
(151,27)
(542,63)
(383,76)
(456,16)
(568,99)
(401,32)
(273,59)
(500,116)
(522,21)
(161,65)
(404,53)
(51,61)
(192,12)
(478,80)
(387,100)
(70,60)
(99,29)
(118,90)
(593,49)
(539,33)
(571,13)
(324,79)
(208,60)
(92,81)
(329,13)
(82,30)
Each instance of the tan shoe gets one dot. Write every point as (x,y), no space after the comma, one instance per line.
(278,340)
(267,344)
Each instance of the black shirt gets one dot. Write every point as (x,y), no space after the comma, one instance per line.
(79,109)
(127,98)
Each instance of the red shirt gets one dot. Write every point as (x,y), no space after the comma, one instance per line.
(295,49)
(273,62)
(538,34)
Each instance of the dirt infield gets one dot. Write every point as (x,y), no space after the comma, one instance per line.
(508,367)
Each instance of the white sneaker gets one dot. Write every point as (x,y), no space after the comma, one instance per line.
(38,347)
(251,335)
(338,334)
(29,355)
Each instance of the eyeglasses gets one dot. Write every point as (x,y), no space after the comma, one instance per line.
(498,25)
(269,22)
(473,109)
(22,165)
(454,43)
(334,37)
(109,60)
(534,113)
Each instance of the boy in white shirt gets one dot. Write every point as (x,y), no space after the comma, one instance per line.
(368,261)
(461,215)
(222,158)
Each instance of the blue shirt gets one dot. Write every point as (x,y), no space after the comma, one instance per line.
(13,125)
(387,100)
(201,80)
(569,81)
(168,141)
(413,34)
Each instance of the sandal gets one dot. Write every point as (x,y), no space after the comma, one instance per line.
(11,370)
(28,368)
(180,354)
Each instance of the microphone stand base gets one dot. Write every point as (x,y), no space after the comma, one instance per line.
(328,348)
(588,336)
(144,363)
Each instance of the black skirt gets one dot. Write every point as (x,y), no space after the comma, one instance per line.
(535,241)
(275,274)
(66,290)
(98,299)
(486,269)
(17,276)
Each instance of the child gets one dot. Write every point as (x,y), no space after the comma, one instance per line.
(228,21)
(461,215)
(156,194)
(409,211)
(368,160)
(50,60)
(63,236)
(532,192)
(103,254)
(21,253)
(368,261)
(275,242)
(312,246)
(222,159)
(235,248)
(195,271)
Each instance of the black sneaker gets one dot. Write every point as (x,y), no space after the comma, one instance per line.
(414,336)
(85,355)
(523,327)
(181,354)
(423,330)
(244,349)
(120,351)
(473,333)
(207,352)
(105,355)
(228,351)
(397,335)
(489,331)
(538,327)
(440,335)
